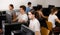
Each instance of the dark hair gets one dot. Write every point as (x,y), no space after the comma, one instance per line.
(29,3)
(24,8)
(39,7)
(35,8)
(34,13)
(12,5)
(53,10)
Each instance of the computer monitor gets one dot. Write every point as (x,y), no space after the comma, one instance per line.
(3,12)
(3,15)
(7,28)
(24,31)
(27,30)
(0,20)
(51,6)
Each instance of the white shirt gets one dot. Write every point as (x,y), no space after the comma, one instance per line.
(52,18)
(34,25)
(22,17)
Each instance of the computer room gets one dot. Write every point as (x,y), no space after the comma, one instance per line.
(29,17)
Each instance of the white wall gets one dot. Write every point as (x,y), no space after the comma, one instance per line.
(4,3)
(45,3)
(54,2)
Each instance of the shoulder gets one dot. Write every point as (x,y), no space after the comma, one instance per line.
(36,20)
(7,11)
(50,15)
(55,16)
(25,14)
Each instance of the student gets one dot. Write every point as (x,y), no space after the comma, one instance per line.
(34,23)
(39,11)
(10,13)
(40,16)
(22,17)
(28,8)
(53,18)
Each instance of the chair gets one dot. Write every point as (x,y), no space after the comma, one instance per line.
(44,31)
(49,25)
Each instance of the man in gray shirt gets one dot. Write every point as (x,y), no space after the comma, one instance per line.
(10,15)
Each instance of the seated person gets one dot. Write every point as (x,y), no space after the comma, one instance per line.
(10,14)
(39,11)
(40,16)
(34,23)
(53,18)
(28,8)
(22,17)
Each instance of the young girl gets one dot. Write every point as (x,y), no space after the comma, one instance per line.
(53,18)
(40,16)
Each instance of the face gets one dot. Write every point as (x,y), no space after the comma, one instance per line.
(10,8)
(30,15)
(21,10)
(56,12)
(29,5)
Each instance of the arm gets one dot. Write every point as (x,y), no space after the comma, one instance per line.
(57,20)
(37,29)
(14,16)
(42,15)
(14,20)
(37,33)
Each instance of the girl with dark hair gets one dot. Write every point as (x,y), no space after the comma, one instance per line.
(53,18)
(40,16)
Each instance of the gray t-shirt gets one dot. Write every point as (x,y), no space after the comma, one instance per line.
(9,15)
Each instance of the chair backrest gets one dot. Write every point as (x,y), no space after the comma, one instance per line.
(49,25)
(44,31)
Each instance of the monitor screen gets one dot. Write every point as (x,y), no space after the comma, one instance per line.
(24,31)
(7,28)
(27,30)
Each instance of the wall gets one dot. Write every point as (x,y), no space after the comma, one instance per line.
(5,3)
(45,3)
(54,2)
